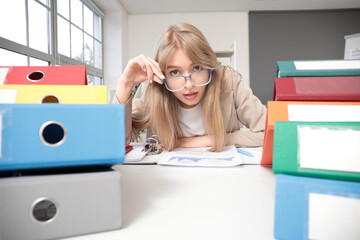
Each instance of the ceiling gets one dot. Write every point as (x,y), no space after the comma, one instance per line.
(182,6)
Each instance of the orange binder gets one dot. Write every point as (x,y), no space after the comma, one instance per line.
(304,111)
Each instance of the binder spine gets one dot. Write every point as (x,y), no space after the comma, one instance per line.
(303,157)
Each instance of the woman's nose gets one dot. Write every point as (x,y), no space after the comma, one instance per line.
(188,82)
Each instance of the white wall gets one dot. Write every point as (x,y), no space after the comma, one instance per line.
(220,28)
(126,36)
(115,28)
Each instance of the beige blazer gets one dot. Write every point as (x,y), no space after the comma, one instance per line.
(240,108)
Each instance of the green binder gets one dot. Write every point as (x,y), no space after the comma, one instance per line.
(315,68)
(317,149)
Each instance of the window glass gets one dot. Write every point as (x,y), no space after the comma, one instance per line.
(94,80)
(63,8)
(88,21)
(98,54)
(26,26)
(12,16)
(76,13)
(76,43)
(97,27)
(88,50)
(63,36)
(38,62)
(97,80)
(90,79)
(45,2)
(9,58)
(38,27)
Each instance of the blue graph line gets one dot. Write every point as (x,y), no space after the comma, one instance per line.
(198,159)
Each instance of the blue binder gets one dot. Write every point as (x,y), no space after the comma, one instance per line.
(318,68)
(292,204)
(61,135)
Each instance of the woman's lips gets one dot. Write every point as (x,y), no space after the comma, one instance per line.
(190,96)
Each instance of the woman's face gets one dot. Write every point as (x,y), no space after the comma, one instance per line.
(181,65)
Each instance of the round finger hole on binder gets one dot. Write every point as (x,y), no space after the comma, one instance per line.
(52,133)
(44,210)
(35,76)
(50,99)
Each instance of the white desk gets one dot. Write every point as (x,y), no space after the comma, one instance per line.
(162,202)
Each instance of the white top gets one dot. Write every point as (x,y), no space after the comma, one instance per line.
(190,120)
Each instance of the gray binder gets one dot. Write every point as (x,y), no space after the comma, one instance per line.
(61,205)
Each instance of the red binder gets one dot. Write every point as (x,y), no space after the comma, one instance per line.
(346,88)
(44,75)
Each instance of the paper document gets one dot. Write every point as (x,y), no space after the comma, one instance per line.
(135,155)
(228,157)
(138,156)
(201,157)
(254,156)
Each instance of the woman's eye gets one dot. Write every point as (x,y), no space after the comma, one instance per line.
(197,68)
(174,73)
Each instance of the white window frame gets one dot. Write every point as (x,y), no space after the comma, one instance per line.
(53,57)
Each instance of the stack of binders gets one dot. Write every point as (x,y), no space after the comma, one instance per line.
(312,139)
(56,178)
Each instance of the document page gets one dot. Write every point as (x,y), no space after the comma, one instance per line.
(201,157)
(250,155)
(138,156)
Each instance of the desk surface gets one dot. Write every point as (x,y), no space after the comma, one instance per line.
(163,202)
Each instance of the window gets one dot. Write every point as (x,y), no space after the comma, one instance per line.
(50,32)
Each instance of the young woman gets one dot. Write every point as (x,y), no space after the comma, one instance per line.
(187,98)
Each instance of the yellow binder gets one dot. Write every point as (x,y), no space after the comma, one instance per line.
(57,93)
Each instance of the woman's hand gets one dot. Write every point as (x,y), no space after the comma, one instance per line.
(138,70)
(195,142)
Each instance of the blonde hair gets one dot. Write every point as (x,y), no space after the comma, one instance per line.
(161,105)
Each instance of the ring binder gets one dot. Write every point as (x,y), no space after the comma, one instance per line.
(35,76)
(61,135)
(50,99)
(53,206)
(44,210)
(52,133)
(44,75)
(73,94)
(152,148)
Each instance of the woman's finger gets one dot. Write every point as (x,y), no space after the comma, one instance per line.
(156,68)
(152,67)
(157,79)
(142,69)
(148,67)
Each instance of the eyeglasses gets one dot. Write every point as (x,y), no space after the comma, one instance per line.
(199,78)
